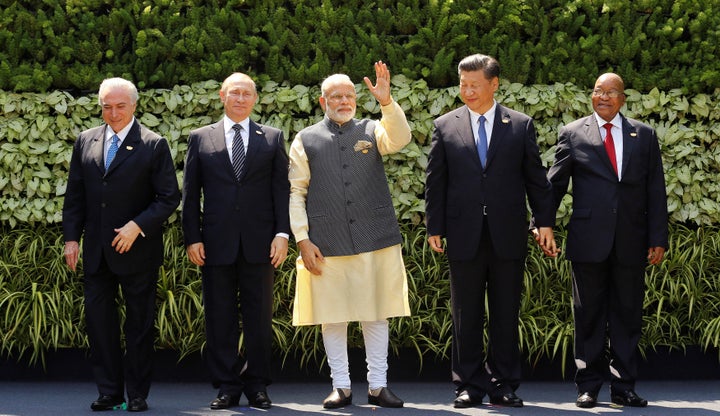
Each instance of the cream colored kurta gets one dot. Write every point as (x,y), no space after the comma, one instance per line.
(364,287)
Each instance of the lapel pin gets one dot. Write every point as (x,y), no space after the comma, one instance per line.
(258,131)
(505,120)
(129,147)
(633,134)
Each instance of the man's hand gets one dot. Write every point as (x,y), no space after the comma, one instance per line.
(72,253)
(436,244)
(546,240)
(278,251)
(311,256)
(381,89)
(196,253)
(655,255)
(125,237)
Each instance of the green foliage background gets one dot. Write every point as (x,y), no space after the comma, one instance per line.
(54,53)
(41,302)
(73,44)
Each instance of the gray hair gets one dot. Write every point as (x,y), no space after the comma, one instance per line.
(335,79)
(117,83)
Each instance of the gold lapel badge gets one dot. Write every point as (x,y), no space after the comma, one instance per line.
(129,147)
(633,134)
(362,146)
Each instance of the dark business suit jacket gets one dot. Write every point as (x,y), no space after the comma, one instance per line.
(630,214)
(252,210)
(140,184)
(457,187)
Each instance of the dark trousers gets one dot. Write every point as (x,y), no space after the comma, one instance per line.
(470,281)
(607,305)
(112,367)
(223,287)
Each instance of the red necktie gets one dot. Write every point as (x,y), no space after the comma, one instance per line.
(610,146)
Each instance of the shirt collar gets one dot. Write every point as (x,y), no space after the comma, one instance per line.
(616,121)
(489,115)
(228,124)
(122,134)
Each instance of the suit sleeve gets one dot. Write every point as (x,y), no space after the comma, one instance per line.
(191,194)
(165,185)
(436,185)
(73,218)
(560,172)
(537,186)
(657,198)
(281,187)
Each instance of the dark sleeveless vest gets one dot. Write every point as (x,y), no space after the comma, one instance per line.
(348,205)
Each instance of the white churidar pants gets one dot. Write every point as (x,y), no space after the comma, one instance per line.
(376,337)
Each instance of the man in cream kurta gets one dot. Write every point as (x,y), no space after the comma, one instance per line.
(350,266)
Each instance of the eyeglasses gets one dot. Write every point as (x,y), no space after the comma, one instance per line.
(611,94)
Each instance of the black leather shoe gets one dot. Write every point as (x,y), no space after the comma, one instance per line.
(107,402)
(137,404)
(337,399)
(224,401)
(586,400)
(386,398)
(507,399)
(465,400)
(627,398)
(259,400)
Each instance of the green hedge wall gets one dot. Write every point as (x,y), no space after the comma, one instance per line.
(37,132)
(41,301)
(72,45)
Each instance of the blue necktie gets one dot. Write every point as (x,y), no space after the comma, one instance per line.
(483,142)
(238,151)
(112,150)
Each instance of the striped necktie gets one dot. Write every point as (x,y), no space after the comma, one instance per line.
(238,151)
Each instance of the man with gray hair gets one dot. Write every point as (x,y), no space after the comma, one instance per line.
(121,189)
(341,213)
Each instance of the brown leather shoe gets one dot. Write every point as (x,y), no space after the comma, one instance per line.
(386,398)
(337,399)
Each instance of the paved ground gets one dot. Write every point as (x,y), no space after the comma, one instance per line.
(556,398)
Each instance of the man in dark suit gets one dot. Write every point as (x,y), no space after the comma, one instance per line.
(618,224)
(239,169)
(483,163)
(121,188)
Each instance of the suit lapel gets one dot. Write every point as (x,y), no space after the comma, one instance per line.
(217,138)
(127,148)
(500,126)
(465,132)
(596,140)
(97,149)
(256,140)
(629,141)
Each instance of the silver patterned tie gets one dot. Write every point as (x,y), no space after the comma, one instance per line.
(238,151)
